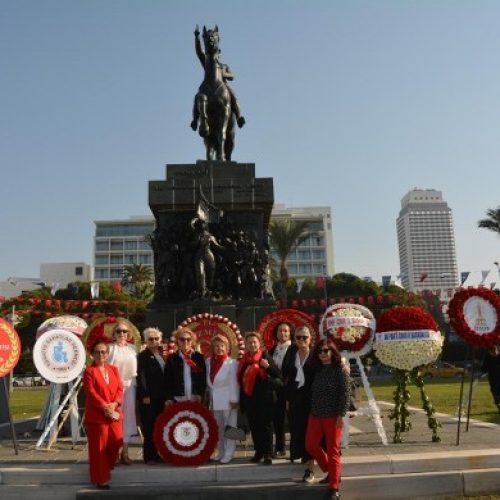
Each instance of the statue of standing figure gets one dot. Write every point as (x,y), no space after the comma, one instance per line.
(215,105)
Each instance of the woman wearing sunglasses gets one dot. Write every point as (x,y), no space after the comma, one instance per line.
(103,417)
(124,356)
(329,403)
(185,371)
(298,373)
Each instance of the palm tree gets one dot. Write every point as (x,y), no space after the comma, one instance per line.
(285,235)
(493,221)
(140,277)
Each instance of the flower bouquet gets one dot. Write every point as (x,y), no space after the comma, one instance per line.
(408,337)
(351,327)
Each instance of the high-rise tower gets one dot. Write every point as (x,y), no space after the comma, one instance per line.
(426,240)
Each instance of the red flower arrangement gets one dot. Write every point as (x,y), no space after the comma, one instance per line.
(269,323)
(356,337)
(207,325)
(406,318)
(186,433)
(459,323)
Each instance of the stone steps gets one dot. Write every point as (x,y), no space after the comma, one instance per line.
(367,477)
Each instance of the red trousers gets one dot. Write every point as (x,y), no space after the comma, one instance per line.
(329,460)
(104,441)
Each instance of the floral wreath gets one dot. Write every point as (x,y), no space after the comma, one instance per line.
(15,348)
(72,324)
(268,324)
(186,433)
(207,325)
(350,326)
(101,330)
(470,333)
(407,337)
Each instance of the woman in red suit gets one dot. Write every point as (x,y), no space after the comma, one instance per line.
(103,418)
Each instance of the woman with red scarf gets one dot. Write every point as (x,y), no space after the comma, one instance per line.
(224,393)
(185,372)
(259,377)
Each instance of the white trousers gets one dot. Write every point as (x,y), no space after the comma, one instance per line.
(226,447)
(128,408)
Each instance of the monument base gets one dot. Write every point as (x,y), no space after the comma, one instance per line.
(246,315)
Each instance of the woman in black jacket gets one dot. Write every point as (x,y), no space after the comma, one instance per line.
(298,374)
(185,372)
(150,389)
(258,376)
(330,392)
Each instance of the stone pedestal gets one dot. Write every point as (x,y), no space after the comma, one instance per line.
(246,315)
(246,203)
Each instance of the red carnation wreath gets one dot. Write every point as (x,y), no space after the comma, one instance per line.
(269,323)
(207,325)
(186,433)
(406,318)
(475,316)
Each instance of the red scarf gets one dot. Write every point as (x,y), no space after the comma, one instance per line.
(216,362)
(190,362)
(249,370)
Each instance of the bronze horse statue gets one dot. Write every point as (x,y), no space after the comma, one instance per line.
(215,105)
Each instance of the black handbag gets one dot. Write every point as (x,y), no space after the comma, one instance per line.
(234,433)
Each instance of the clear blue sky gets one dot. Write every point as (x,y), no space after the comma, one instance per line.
(349,104)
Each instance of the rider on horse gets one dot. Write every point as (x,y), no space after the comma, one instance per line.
(211,41)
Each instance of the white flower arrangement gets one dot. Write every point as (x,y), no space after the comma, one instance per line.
(408,354)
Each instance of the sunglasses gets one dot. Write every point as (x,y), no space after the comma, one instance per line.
(185,339)
(301,337)
(121,331)
(100,352)
(152,339)
(324,351)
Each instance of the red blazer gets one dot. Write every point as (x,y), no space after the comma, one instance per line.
(98,393)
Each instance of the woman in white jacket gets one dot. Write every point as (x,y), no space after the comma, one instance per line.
(224,393)
(124,356)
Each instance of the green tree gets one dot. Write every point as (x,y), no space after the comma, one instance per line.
(284,236)
(139,277)
(492,222)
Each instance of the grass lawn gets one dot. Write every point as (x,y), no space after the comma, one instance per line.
(27,402)
(444,395)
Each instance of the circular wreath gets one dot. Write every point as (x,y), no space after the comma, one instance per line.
(407,337)
(13,350)
(476,335)
(350,326)
(72,324)
(207,325)
(101,330)
(186,433)
(269,323)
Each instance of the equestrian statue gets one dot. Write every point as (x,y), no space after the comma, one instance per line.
(215,105)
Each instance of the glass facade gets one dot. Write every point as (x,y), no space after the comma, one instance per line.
(121,243)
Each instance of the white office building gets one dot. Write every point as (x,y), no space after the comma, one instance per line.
(426,240)
(314,256)
(118,243)
(59,274)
